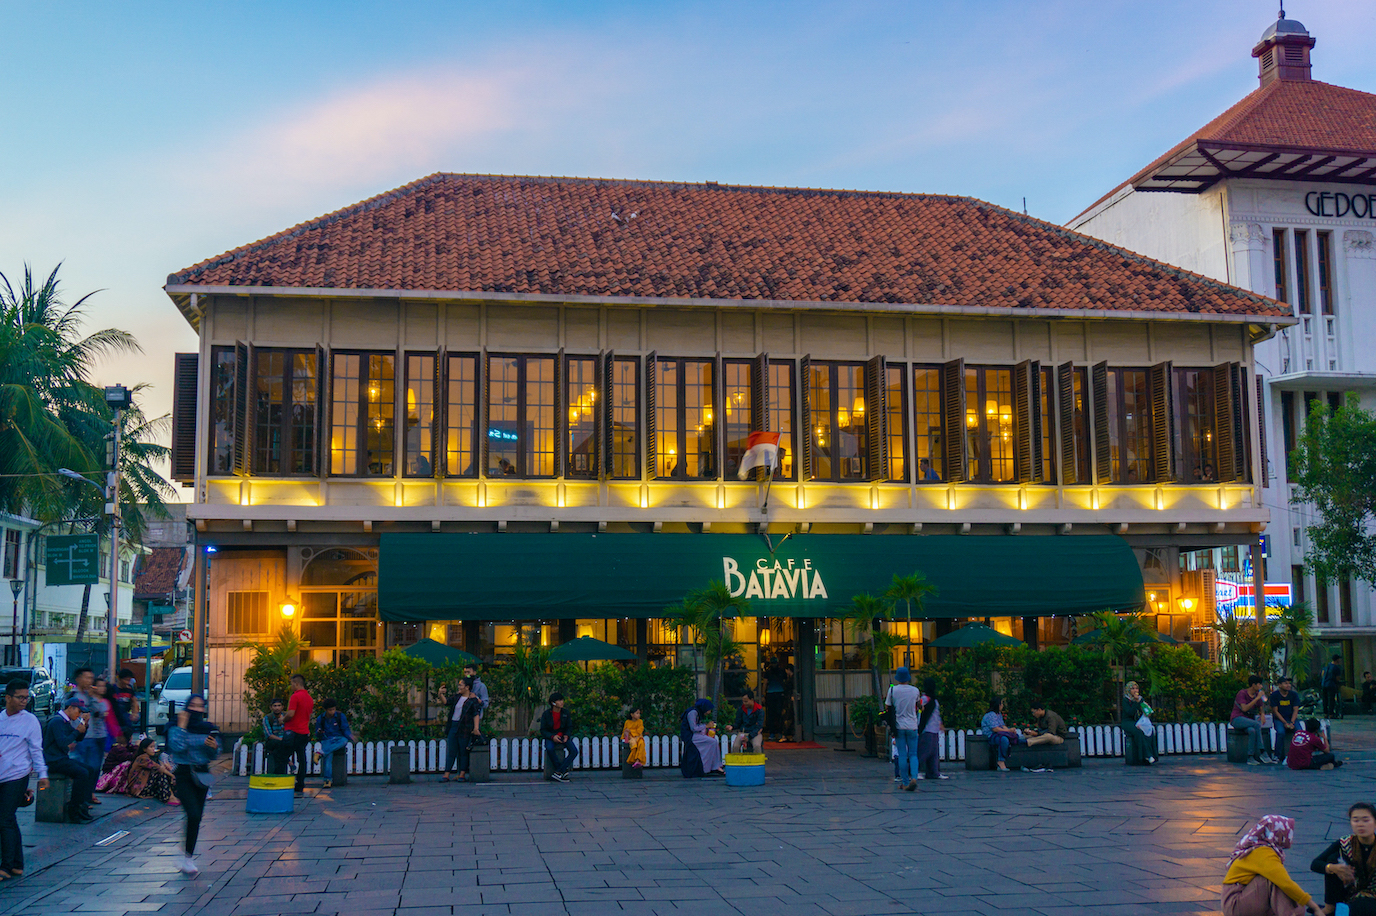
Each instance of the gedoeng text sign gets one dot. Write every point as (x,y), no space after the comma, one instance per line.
(768,579)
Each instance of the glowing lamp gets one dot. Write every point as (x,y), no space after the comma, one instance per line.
(764,636)
(288,610)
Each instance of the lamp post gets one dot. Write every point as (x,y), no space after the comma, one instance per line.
(16,586)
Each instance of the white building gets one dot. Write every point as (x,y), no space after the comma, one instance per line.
(1278,195)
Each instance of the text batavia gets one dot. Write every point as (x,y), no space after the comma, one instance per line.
(785,579)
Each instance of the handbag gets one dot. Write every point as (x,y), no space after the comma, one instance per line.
(889,716)
(201,776)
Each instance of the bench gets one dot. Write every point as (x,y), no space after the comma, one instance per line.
(50,807)
(1130,757)
(628,771)
(980,756)
(1238,743)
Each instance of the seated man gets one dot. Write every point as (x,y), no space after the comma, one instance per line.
(1309,750)
(556,727)
(62,733)
(749,725)
(1048,728)
(1368,691)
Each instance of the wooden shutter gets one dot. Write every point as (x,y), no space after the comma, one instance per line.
(759,394)
(324,383)
(876,413)
(605,416)
(1226,447)
(480,410)
(561,415)
(805,419)
(651,420)
(1161,380)
(1024,468)
(1103,459)
(1035,397)
(1265,475)
(440,463)
(953,419)
(185,382)
(243,427)
(1065,403)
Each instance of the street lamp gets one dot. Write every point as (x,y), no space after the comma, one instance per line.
(16,586)
(288,611)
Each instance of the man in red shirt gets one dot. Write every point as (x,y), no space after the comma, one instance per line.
(1309,751)
(297,722)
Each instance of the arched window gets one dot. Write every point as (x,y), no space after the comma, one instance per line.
(339,619)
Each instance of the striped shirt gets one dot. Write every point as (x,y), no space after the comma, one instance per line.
(21,747)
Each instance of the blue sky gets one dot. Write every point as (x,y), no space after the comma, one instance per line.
(144,137)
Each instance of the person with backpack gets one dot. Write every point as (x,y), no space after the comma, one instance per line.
(1331,684)
(333,730)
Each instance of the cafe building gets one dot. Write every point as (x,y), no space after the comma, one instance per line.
(1278,195)
(491,410)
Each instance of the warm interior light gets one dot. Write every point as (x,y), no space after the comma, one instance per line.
(437,632)
(288,611)
(764,636)
(1186,604)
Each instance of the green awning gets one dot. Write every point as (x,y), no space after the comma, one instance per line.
(519,576)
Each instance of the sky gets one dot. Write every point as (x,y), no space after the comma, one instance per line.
(145,137)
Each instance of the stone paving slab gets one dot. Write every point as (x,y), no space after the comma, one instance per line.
(828,835)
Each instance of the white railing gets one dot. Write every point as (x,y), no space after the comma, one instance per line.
(513,755)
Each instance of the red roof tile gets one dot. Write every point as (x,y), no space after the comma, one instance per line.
(589,237)
(157,576)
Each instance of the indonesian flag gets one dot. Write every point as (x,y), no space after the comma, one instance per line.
(761,451)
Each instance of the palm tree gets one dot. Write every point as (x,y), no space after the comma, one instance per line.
(909,589)
(863,615)
(1122,636)
(1294,625)
(704,611)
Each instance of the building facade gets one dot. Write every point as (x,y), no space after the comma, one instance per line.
(1278,195)
(492,409)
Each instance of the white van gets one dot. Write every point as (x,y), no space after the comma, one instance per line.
(173,691)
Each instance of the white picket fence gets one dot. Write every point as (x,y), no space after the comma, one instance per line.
(514,755)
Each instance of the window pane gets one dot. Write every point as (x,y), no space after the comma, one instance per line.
(222,395)
(975,431)
(896,423)
(583,407)
(1325,240)
(344,408)
(538,428)
(420,414)
(698,422)
(461,419)
(304,391)
(1081,426)
(851,432)
(625,418)
(1048,425)
(503,391)
(1278,264)
(667,423)
(380,421)
(781,414)
(998,416)
(269,411)
(1197,430)
(1136,426)
(823,436)
(739,414)
(1302,281)
(927,434)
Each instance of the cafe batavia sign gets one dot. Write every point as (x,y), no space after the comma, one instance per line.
(1338,204)
(767,580)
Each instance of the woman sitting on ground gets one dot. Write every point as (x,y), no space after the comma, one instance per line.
(1309,750)
(701,752)
(149,776)
(1348,865)
(998,733)
(1135,709)
(1257,883)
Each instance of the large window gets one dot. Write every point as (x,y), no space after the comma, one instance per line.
(895,422)
(840,440)
(582,400)
(927,411)
(1129,425)
(1303,289)
(990,430)
(520,419)
(1278,264)
(339,619)
(1048,414)
(362,406)
(685,432)
(781,414)
(625,393)
(1198,457)
(11,570)
(284,415)
(223,370)
(738,407)
(421,415)
(461,417)
(1325,240)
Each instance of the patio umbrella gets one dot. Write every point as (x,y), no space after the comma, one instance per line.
(587,649)
(1144,637)
(974,634)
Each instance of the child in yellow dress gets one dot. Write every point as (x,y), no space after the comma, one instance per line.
(634,736)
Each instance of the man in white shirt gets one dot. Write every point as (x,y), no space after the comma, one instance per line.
(21,752)
(904,698)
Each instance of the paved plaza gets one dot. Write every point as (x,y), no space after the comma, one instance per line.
(828,835)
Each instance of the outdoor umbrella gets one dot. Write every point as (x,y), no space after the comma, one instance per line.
(1144,637)
(587,649)
(974,634)
(436,654)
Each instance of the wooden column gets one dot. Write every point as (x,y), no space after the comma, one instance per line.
(805,683)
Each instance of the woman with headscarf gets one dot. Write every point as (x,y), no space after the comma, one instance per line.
(1134,710)
(1257,883)
(194,742)
(701,752)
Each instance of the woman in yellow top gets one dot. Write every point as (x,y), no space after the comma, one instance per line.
(1257,883)
(634,736)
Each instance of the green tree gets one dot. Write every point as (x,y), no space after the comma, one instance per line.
(1121,637)
(863,616)
(1334,469)
(910,590)
(1295,627)
(704,612)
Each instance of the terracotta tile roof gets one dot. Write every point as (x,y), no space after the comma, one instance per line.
(157,576)
(588,237)
(1284,115)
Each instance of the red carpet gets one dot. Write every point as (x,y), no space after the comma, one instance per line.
(792,746)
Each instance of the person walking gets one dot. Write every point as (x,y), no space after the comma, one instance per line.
(21,753)
(297,722)
(61,735)
(929,728)
(193,743)
(332,728)
(904,698)
(1331,684)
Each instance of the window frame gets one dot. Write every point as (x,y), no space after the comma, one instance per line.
(364,419)
(563,408)
(13,548)
(935,446)
(979,434)
(525,448)
(788,439)
(833,420)
(431,378)
(632,451)
(1187,447)
(453,429)
(1118,425)
(1304,289)
(314,442)
(223,404)
(898,455)
(731,459)
(680,434)
(1323,264)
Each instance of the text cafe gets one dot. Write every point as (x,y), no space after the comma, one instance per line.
(491,591)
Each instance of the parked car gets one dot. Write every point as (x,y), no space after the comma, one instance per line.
(172,694)
(43,690)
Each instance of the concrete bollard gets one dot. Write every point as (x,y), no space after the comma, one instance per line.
(51,804)
(399,765)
